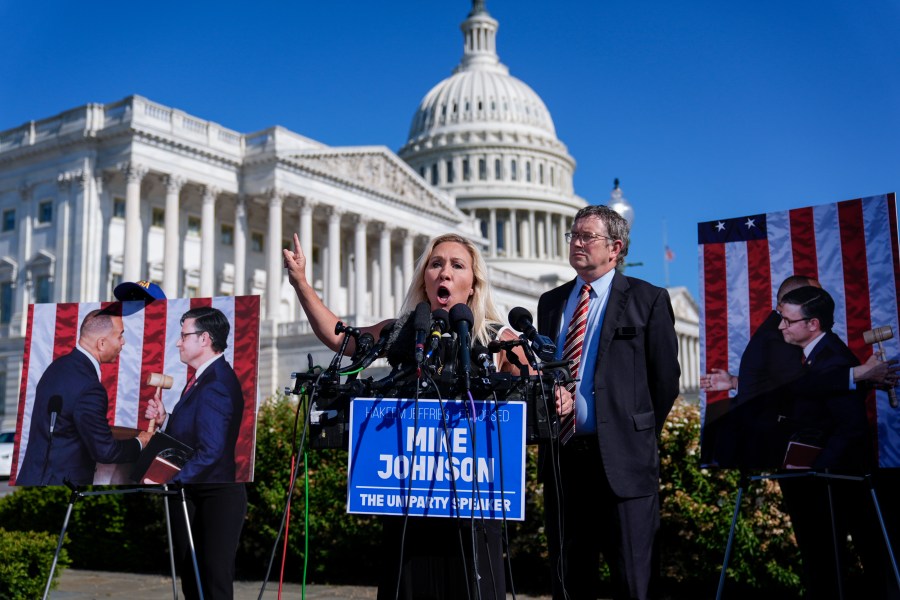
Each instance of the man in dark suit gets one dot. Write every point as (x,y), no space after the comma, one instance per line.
(207,418)
(628,381)
(743,431)
(834,420)
(69,431)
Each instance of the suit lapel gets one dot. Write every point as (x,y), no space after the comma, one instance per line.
(557,306)
(615,309)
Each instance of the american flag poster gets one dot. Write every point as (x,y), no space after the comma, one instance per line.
(151,334)
(851,247)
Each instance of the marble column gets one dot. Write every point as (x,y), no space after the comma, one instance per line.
(333,269)
(274,260)
(512,242)
(408,259)
(548,237)
(306,234)
(492,230)
(64,243)
(134,231)
(241,231)
(385,308)
(208,241)
(360,263)
(172,263)
(563,230)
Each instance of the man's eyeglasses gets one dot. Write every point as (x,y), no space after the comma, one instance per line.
(585,238)
(187,333)
(788,322)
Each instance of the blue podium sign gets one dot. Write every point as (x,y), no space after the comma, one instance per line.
(434,458)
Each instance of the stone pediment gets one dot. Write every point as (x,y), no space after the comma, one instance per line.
(684,306)
(375,169)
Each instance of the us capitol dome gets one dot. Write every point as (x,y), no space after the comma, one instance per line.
(487,139)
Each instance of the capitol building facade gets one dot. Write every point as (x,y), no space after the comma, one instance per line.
(131,190)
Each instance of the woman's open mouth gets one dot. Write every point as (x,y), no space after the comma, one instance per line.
(443,294)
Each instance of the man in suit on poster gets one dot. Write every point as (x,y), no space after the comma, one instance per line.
(833,420)
(743,431)
(69,431)
(207,418)
(629,376)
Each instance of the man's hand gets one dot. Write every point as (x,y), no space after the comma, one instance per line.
(155,409)
(144,438)
(879,372)
(565,402)
(718,380)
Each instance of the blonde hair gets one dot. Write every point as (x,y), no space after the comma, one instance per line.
(484,311)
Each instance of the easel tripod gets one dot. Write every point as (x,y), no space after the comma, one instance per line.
(160,490)
(867,479)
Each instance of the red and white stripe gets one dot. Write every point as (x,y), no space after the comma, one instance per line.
(151,333)
(851,247)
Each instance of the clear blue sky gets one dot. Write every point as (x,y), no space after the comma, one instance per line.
(703,109)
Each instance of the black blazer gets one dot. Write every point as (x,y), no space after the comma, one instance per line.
(635,377)
(81,436)
(824,412)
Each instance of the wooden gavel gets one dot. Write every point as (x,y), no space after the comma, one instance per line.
(876,336)
(162,381)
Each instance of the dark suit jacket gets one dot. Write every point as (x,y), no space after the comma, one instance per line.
(832,417)
(81,436)
(741,431)
(635,377)
(208,419)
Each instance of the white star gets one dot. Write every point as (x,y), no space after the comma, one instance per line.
(751,223)
(720,226)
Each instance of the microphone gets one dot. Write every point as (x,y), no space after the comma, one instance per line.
(483,359)
(440,324)
(371,354)
(462,319)
(495,346)
(363,344)
(54,407)
(421,322)
(543,346)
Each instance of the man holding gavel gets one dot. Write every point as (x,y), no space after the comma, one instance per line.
(825,510)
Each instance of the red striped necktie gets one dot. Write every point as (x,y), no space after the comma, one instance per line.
(188,386)
(572,352)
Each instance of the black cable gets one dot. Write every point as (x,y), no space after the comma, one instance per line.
(297,448)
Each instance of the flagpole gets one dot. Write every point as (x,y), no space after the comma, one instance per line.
(665,243)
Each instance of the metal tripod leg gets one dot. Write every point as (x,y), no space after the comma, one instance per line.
(190,537)
(884,532)
(171,547)
(62,535)
(737,512)
(834,542)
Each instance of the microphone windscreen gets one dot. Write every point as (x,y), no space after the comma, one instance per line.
(365,342)
(494,347)
(440,319)
(480,350)
(54,405)
(422,316)
(520,318)
(462,312)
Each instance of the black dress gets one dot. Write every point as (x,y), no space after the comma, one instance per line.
(434,558)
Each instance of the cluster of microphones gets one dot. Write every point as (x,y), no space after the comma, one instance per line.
(431,327)
(436,349)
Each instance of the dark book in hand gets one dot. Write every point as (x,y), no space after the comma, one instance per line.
(161,460)
(800,456)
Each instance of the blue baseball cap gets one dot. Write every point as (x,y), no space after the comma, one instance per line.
(139,290)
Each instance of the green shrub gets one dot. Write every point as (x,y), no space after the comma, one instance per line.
(127,531)
(26,561)
(336,540)
(697,507)
(105,532)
